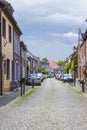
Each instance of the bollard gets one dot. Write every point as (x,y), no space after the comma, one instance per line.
(32,83)
(82,82)
(74,81)
(83,90)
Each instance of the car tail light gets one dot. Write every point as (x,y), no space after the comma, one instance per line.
(39,79)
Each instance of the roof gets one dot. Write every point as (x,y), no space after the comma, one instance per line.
(23,46)
(53,64)
(44,63)
(8,9)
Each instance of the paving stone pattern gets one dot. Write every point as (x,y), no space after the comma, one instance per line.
(52,106)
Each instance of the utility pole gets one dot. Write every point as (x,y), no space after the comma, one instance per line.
(0,58)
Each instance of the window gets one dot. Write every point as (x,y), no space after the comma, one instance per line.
(4,66)
(10,36)
(8,69)
(4,27)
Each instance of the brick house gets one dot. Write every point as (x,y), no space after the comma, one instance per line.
(33,63)
(23,51)
(81,61)
(16,54)
(82,58)
(53,67)
(8,29)
(6,17)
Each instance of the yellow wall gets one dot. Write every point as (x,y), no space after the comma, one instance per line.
(7,51)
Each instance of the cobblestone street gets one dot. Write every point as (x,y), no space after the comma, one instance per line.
(52,106)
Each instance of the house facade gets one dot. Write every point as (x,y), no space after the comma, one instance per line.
(12,50)
(82,59)
(33,64)
(53,67)
(9,47)
(23,51)
(6,17)
(45,65)
(16,54)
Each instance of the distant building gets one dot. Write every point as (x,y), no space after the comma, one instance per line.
(53,67)
(45,65)
(33,64)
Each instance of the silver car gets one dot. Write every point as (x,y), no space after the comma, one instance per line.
(33,79)
(67,78)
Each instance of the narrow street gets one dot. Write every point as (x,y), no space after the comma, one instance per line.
(52,106)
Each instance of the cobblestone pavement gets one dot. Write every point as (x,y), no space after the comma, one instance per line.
(52,106)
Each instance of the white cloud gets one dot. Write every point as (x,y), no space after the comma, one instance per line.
(66,35)
(71,35)
(51,10)
(63,18)
(65,6)
(45,22)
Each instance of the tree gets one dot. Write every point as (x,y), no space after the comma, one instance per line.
(45,59)
(45,71)
(60,62)
(74,63)
(67,67)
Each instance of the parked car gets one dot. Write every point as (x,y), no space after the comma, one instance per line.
(50,75)
(44,76)
(41,76)
(67,78)
(33,78)
(58,76)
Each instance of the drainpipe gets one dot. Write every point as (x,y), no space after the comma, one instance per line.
(0,57)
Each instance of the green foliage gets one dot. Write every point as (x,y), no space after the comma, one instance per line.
(67,67)
(85,74)
(60,62)
(72,66)
(45,59)
(39,70)
(74,63)
(45,71)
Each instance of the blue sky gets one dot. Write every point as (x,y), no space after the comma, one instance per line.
(50,27)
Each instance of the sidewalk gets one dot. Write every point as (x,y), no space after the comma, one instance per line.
(78,87)
(9,96)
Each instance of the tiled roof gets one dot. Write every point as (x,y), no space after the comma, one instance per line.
(53,64)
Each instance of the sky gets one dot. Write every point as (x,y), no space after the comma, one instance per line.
(50,27)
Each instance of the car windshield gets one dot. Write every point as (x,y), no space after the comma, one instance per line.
(32,76)
(67,75)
